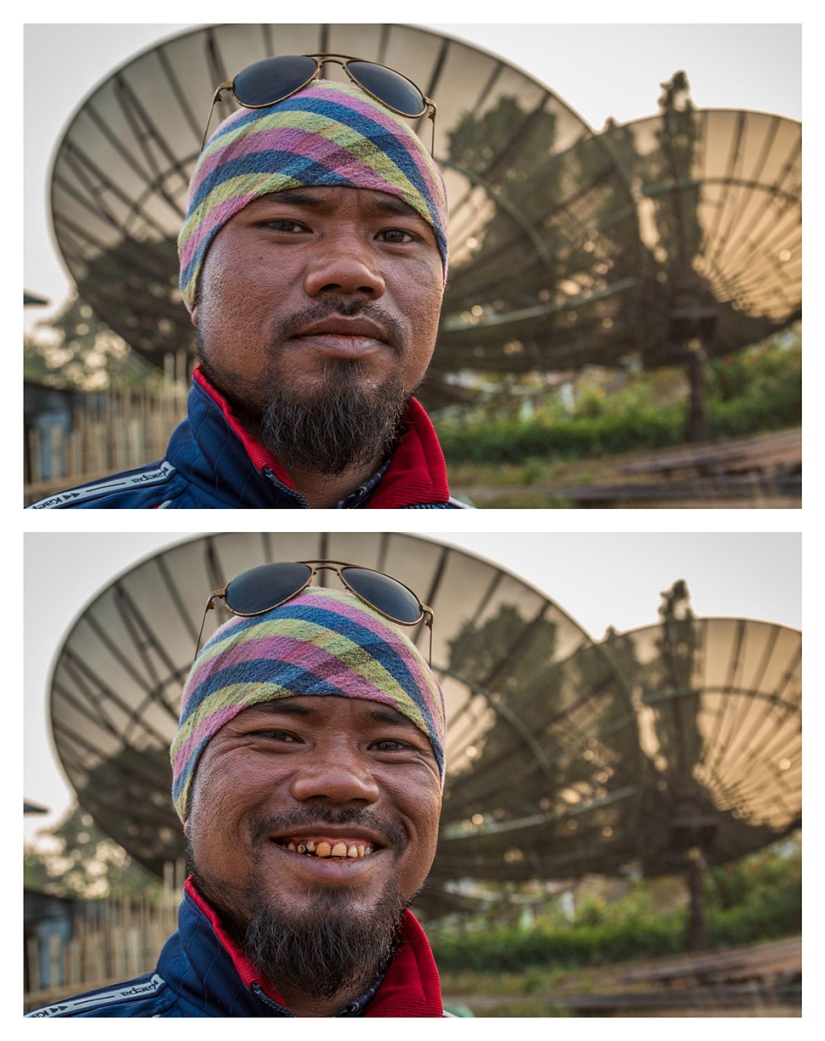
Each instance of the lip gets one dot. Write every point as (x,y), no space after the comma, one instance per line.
(342,337)
(328,870)
(340,325)
(333,834)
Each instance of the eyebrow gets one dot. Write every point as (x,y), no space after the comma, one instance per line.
(284,706)
(390,716)
(387,204)
(376,714)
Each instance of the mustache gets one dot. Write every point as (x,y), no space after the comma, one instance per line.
(390,831)
(394,330)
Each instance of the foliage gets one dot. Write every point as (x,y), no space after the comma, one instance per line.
(75,349)
(75,859)
(755,390)
(756,898)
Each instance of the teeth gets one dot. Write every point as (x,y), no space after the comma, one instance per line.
(324,849)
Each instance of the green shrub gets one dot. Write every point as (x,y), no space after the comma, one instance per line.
(753,391)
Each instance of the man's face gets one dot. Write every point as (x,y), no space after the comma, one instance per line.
(308,281)
(353,780)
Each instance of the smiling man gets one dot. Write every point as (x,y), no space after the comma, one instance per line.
(313,263)
(308,769)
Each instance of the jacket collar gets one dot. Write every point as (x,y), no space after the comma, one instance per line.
(410,987)
(416,474)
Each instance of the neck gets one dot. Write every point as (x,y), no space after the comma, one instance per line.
(322,491)
(304,1006)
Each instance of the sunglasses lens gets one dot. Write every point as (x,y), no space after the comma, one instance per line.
(266,586)
(389,87)
(272,79)
(389,596)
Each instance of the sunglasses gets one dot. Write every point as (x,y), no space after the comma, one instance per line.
(271,80)
(262,588)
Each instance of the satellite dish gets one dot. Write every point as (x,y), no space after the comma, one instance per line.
(117,680)
(720,211)
(545,247)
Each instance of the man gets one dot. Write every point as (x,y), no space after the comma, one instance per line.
(307,770)
(313,263)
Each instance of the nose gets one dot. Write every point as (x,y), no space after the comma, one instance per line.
(341,781)
(346,265)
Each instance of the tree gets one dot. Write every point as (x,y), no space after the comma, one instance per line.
(75,859)
(75,349)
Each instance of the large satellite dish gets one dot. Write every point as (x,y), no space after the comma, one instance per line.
(545,250)
(715,741)
(497,648)
(719,195)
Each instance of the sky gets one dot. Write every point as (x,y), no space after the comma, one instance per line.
(598,578)
(600,70)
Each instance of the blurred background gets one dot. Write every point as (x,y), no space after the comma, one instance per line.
(622,320)
(622,816)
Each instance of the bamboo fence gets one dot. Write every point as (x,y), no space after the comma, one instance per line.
(111,941)
(110,432)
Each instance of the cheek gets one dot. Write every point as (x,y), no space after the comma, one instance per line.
(226,792)
(420,302)
(241,293)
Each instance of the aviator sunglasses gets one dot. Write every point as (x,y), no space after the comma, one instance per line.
(262,588)
(271,80)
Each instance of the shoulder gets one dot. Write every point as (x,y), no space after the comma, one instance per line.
(148,487)
(146,996)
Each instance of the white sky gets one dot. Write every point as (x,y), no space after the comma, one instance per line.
(599,579)
(599,70)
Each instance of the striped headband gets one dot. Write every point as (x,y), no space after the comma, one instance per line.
(327,134)
(324,642)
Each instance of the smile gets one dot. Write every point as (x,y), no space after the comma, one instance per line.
(328,849)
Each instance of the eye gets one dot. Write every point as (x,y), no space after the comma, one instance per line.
(288,227)
(276,735)
(389,744)
(396,236)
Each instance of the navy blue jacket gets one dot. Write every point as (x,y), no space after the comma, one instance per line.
(213,463)
(201,972)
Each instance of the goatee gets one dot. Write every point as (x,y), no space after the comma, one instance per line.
(333,950)
(342,426)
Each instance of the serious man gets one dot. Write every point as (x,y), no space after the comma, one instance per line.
(307,770)
(313,263)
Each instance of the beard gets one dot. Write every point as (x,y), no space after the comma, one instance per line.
(324,952)
(341,427)
(329,944)
(341,423)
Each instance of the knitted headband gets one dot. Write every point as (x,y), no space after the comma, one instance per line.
(327,134)
(321,642)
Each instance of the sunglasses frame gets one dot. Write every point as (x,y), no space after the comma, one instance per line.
(321,60)
(425,615)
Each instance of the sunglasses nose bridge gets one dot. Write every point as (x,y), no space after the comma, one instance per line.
(322,61)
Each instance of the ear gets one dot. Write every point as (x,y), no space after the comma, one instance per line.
(186,828)
(194,315)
